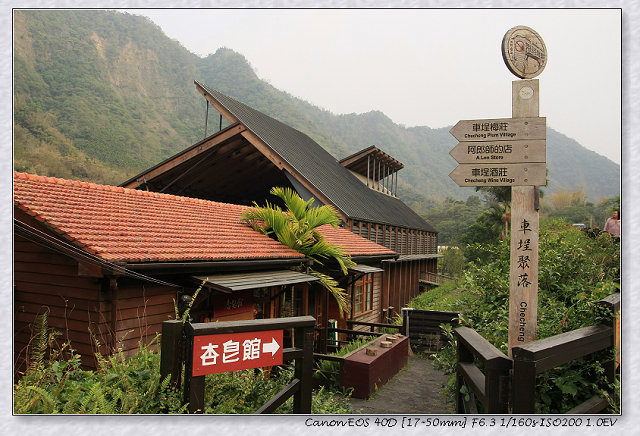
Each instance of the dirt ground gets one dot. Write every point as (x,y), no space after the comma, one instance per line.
(416,389)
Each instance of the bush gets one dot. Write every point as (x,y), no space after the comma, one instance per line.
(54,383)
(575,271)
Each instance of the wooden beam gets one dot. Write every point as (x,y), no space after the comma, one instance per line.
(188,154)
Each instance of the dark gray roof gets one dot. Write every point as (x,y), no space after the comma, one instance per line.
(322,170)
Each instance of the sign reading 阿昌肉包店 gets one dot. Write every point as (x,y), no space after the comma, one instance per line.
(476,152)
(213,354)
(500,129)
(516,174)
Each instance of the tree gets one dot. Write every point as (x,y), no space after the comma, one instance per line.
(297,228)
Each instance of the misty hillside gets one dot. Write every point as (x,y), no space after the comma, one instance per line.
(102,95)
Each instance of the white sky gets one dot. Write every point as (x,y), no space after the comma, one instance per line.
(423,67)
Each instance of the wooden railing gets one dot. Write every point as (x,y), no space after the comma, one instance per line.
(177,348)
(434,278)
(500,393)
(539,356)
(490,387)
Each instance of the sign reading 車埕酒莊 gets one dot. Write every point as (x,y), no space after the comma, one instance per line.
(516,174)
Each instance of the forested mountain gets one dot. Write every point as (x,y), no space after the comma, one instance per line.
(102,95)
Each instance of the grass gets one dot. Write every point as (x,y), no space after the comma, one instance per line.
(449,297)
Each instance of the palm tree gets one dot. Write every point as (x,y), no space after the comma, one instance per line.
(297,228)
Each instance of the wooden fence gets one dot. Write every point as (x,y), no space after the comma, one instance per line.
(423,327)
(434,278)
(177,349)
(499,393)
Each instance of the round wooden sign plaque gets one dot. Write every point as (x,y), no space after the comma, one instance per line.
(524,52)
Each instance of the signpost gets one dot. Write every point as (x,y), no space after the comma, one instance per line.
(512,152)
(213,354)
(224,346)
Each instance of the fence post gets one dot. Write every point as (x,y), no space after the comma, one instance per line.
(171,351)
(193,386)
(497,375)
(463,355)
(523,390)
(405,320)
(304,370)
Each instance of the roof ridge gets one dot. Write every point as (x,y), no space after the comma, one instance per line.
(117,189)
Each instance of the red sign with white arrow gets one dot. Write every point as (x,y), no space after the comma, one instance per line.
(213,354)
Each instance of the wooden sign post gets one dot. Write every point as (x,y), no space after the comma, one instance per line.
(512,152)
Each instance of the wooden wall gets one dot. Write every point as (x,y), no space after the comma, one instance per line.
(79,305)
(140,309)
(399,239)
(48,282)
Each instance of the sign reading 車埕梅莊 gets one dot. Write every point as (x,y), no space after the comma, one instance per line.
(500,129)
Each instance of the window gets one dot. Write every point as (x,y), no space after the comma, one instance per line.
(363,294)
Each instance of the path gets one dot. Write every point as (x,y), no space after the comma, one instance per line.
(416,389)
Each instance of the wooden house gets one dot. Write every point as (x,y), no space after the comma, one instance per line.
(254,152)
(108,265)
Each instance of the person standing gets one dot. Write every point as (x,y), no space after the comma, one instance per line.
(612,225)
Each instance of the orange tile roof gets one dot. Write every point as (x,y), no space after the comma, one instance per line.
(353,244)
(128,225)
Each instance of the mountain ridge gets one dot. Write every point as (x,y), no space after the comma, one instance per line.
(103,95)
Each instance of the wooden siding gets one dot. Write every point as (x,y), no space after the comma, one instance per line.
(80,307)
(47,282)
(399,239)
(140,310)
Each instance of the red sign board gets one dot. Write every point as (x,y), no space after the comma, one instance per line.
(230,304)
(213,354)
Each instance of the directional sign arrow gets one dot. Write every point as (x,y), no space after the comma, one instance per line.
(500,151)
(271,347)
(521,174)
(500,129)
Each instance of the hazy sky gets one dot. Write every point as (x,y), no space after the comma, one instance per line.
(423,67)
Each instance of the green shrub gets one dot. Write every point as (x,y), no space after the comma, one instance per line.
(54,383)
(575,271)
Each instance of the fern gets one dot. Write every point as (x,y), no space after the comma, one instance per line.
(40,341)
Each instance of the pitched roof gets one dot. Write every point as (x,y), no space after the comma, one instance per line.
(353,244)
(321,169)
(127,225)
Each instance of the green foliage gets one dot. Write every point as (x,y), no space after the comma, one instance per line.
(56,384)
(452,263)
(575,271)
(329,371)
(453,218)
(121,92)
(297,228)
(246,391)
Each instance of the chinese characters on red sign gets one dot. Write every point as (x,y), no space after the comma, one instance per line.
(213,354)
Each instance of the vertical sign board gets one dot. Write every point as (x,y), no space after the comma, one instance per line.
(525,55)
(512,152)
(213,354)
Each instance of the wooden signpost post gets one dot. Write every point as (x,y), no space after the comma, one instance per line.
(512,152)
